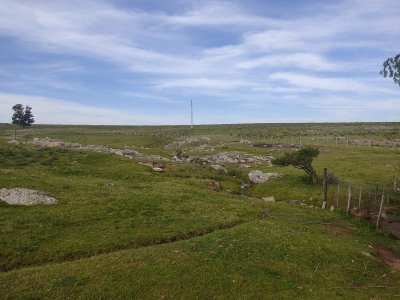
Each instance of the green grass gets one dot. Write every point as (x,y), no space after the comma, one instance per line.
(168,235)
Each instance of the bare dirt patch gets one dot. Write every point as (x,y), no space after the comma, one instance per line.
(388,256)
(338,229)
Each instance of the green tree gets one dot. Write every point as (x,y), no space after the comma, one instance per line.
(391,68)
(28,119)
(22,116)
(301,159)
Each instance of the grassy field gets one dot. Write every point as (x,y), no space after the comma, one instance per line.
(124,231)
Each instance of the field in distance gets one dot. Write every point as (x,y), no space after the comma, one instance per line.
(122,230)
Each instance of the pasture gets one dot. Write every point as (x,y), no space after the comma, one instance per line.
(121,230)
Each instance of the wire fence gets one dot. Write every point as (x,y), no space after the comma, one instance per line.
(365,199)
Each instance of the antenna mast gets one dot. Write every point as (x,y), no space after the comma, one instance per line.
(191,113)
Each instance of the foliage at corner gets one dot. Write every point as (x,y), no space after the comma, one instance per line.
(301,159)
(22,116)
(391,68)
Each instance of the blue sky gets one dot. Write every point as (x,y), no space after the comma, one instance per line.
(140,62)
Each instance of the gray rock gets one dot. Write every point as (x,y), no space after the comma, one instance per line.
(21,196)
(260,177)
(295,202)
(219,168)
(269,199)
(129,154)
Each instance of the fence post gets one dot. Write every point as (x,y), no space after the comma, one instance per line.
(395,184)
(360,199)
(337,195)
(348,200)
(325,188)
(376,193)
(380,210)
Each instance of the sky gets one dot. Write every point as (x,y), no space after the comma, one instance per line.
(140,62)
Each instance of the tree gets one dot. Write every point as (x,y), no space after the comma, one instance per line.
(28,119)
(391,68)
(301,159)
(22,116)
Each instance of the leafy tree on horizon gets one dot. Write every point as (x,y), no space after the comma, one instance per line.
(301,159)
(22,116)
(391,68)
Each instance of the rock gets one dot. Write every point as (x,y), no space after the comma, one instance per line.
(295,202)
(21,196)
(269,199)
(13,142)
(109,184)
(214,185)
(332,208)
(187,142)
(247,142)
(219,168)
(129,154)
(244,166)
(244,186)
(260,177)
(157,167)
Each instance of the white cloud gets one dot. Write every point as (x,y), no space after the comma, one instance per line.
(265,58)
(48,110)
(313,82)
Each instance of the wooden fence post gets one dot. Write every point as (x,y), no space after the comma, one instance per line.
(348,200)
(325,188)
(376,193)
(380,210)
(360,199)
(395,184)
(337,195)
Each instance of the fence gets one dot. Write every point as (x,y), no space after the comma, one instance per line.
(363,199)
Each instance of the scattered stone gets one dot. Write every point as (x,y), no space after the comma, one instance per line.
(269,199)
(244,166)
(157,167)
(332,208)
(221,158)
(187,142)
(247,142)
(13,142)
(278,146)
(220,169)
(109,184)
(21,196)
(237,157)
(260,177)
(214,185)
(265,214)
(244,186)
(295,202)
(129,154)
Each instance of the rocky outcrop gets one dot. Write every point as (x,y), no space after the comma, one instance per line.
(21,196)
(191,141)
(220,169)
(127,153)
(261,177)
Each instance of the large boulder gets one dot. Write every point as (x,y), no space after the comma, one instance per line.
(261,177)
(21,196)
